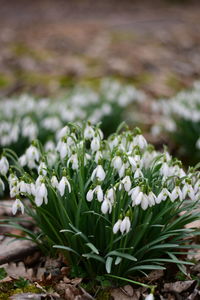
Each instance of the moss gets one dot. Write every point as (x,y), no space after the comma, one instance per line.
(104,295)
(21,50)
(4,80)
(174,82)
(7,289)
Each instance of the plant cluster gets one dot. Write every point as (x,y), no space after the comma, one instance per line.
(26,118)
(111,205)
(180,119)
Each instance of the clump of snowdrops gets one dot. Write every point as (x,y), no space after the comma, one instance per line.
(110,205)
(26,118)
(180,119)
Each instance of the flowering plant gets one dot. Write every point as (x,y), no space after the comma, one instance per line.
(180,118)
(114,201)
(26,118)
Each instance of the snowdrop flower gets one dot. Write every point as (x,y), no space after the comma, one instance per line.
(106,206)
(125,225)
(162,196)
(145,202)
(117,162)
(54,181)
(62,184)
(138,198)
(4,165)
(165,170)
(188,190)
(176,193)
(110,194)
(74,161)
(32,153)
(23,188)
(117,225)
(23,160)
(88,132)
(62,148)
(98,190)
(42,169)
(90,195)
(98,156)
(149,297)
(63,132)
(138,173)
(17,205)
(140,141)
(98,173)
(126,181)
(95,144)
(41,194)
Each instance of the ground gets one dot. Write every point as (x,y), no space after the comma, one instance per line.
(45,45)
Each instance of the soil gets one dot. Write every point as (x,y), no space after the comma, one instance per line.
(48,45)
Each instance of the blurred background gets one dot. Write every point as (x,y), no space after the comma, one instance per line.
(48,45)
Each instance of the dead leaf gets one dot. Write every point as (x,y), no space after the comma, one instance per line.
(178,286)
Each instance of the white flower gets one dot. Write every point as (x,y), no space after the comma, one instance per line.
(23,160)
(188,190)
(62,184)
(127,183)
(162,196)
(63,132)
(165,170)
(125,225)
(116,227)
(54,181)
(149,297)
(32,153)
(117,162)
(95,144)
(17,205)
(74,161)
(138,173)
(23,187)
(90,195)
(106,206)
(98,156)
(144,202)
(41,194)
(122,170)
(134,192)
(99,193)
(176,193)
(139,198)
(140,141)
(88,132)
(98,173)
(42,169)
(110,194)
(4,165)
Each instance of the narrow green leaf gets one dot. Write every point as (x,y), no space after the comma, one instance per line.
(109,261)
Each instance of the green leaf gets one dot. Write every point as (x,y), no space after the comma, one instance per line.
(146,267)
(109,261)
(93,248)
(3,273)
(123,255)
(66,248)
(94,256)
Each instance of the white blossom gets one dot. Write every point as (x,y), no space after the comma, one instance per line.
(125,225)
(4,165)
(17,205)
(62,185)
